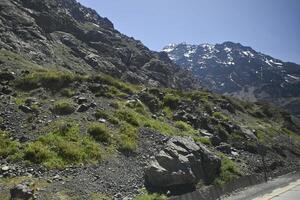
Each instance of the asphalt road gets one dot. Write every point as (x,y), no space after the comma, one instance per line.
(286,187)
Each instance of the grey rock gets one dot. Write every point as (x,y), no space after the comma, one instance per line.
(83,108)
(182,162)
(21,192)
(25,109)
(81,100)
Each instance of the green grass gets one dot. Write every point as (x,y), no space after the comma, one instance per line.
(229,171)
(128,116)
(51,79)
(8,147)
(63,107)
(62,148)
(203,140)
(107,116)
(99,132)
(220,116)
(150,197)
(185,128)
(67,92)
(120,85)
(171,101)
(128,138)
(100,196)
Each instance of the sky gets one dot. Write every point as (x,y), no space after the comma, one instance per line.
(268,26)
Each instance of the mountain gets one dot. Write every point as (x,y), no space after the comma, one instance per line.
(89,113)
(64,34)
(233,69)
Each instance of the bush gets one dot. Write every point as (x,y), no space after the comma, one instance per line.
(99,132)
(171,101)
(128,138)
(63,107)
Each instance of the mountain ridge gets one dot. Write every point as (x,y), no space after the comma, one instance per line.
(233,69)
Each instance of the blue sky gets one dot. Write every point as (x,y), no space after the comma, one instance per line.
(269,26)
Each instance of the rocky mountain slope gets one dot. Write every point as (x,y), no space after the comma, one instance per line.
(234,69)
(63,34)
(89,113)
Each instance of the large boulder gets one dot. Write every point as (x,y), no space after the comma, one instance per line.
(182,162)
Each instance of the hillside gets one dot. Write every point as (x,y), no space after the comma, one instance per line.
(80,120)
(237,70)
(62,34)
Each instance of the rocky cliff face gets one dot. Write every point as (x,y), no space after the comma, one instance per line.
(234,69)
(66,35)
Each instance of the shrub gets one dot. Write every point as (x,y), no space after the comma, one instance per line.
(99,132)
(171,101)
(63,107)
(128,138)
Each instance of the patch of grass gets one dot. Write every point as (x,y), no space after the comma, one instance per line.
(203,140)
(99,132)
(63,107)
(150,197)
(171,101)
(68,92)
(168,112)
(128,138)
(185,128)
(138,106)
(63,147)
(8,147)
(220,116)
(229,171)
(50,79)
(120,85)
(105,115)
(127,116)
